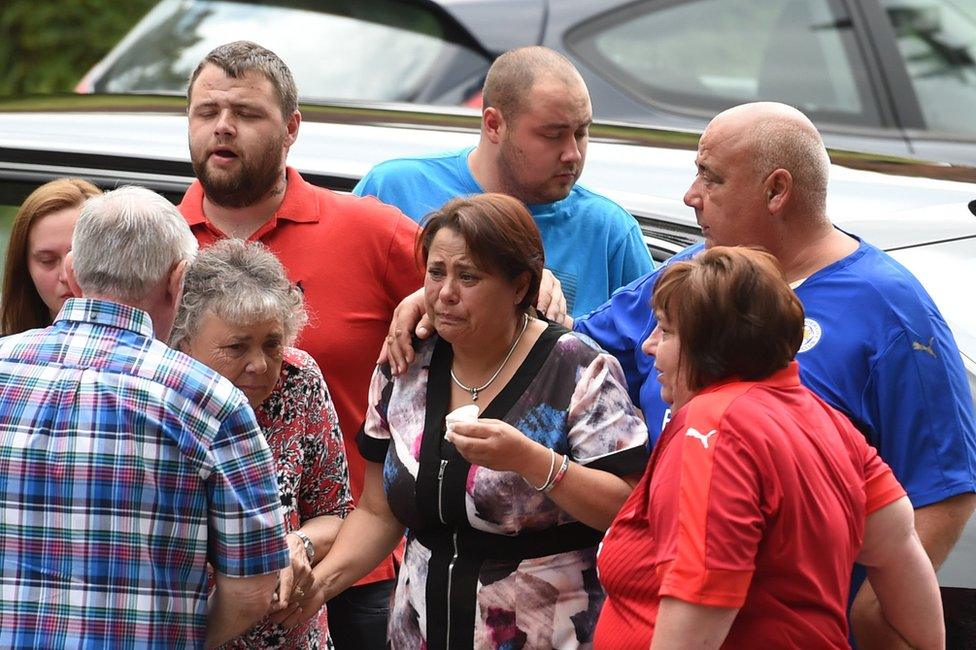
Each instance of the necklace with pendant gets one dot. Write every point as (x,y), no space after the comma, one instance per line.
(474,391)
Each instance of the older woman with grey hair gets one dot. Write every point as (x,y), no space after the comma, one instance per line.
(239,315)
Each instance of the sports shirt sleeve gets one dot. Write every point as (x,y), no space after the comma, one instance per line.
(720,519)
(918,406)
(604,430)
(324,486)
(619,325)
(366,186)
(246,528)
(373,439)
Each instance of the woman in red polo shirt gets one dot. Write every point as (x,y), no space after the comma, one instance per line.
(759,497)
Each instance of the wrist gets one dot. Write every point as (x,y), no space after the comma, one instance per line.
(304,543)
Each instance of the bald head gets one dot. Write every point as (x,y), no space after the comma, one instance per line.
(781,137)
(514,73)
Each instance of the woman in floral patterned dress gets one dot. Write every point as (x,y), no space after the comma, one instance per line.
(503,514)
(238,315)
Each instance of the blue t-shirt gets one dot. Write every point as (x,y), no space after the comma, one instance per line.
(592,244)
(875,347)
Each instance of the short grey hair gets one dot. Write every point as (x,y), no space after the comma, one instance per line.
(240,57)
(239,282)
(798,148)
(128,240)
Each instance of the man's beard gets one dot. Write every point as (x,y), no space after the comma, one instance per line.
(510,161)
(247,186)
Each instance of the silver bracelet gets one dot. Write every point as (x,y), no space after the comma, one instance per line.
(559,475)
(552,466)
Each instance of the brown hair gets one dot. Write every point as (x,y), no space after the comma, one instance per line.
(240,57)
(22,307)
(500,234)
(734,314)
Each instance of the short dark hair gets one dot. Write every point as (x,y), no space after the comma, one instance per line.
(513,74)
(500,234)
(240,57)
(734,313)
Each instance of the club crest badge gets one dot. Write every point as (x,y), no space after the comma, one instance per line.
(811,334)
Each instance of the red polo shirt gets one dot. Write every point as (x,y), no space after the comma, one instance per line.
(755,498)
(354,260)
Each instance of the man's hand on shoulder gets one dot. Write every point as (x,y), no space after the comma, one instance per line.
(551,301)
(409,318)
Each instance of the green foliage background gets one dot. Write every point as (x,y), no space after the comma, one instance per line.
(47,45)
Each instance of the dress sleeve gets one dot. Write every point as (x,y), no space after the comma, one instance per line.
(373,438)
(324,487)
(604,430)
(720,519)
(246,527)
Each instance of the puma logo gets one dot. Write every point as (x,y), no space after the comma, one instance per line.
(694,433)
(921,347)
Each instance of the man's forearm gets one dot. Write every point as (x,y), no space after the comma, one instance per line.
(236,605)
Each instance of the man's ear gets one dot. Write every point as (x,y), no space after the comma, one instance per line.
(493,124)
(779,190)
(291,126)
(69,274)
(174,285)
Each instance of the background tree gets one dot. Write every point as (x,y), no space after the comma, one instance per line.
(46,46)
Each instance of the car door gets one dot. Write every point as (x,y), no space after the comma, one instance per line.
(927,51)
(678,62)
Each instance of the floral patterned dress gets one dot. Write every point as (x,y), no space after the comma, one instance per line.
(302,429)
(491,562)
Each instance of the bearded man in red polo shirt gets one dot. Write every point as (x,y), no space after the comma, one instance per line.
(353,258)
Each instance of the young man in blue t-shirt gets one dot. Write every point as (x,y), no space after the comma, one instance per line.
(534,132)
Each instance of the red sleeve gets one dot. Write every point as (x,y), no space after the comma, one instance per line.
(880,485)
(720,520)
(404,271)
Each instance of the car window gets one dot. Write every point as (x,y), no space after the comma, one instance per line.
(702,56)
(348,49)
(937,41)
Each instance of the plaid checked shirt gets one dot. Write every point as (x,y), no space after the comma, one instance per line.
(124,468)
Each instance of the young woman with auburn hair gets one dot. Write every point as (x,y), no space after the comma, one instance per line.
(40,236)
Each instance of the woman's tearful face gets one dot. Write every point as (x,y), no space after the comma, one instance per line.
(248,355)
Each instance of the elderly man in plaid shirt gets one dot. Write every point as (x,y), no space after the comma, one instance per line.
(126,466)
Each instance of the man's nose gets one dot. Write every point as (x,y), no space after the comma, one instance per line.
(572,152)
(225,123)
(692,196)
